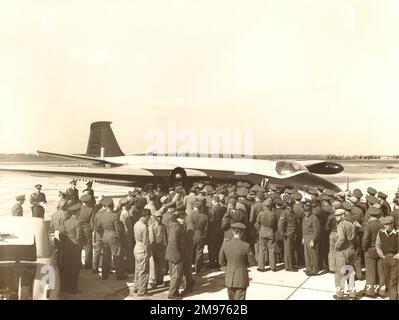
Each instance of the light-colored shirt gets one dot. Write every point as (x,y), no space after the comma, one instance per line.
(141,234)
(345,234)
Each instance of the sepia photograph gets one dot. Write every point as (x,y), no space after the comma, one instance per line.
(210,152)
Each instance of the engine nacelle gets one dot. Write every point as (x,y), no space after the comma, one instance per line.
(325,168)
(178,175)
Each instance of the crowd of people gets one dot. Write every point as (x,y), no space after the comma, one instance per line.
(157,230)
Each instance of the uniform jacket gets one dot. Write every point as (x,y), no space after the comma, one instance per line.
(234,255)
(346,234)
(189,201)
(17,210)
(287,223)
(58,218)
(157,234)
(36,198)
(266,223)
(175,249)
(371,229)
(86,215)
(216,214)
(310,228)
(200,225)
(111,227)
(72,229)
(72,195)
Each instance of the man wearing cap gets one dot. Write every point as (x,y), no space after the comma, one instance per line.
(234,255)
(158,243)
(354,215)
(299,213)
(387,248)
(57,221)
(325,212)
(279,246)
(170,211)
(142,253)
(86,217)
(215,232)
(98,235)
(188,247)
(189,200)
(89,190)
(17,210)
(374,269)
(72,193)
(113,233)
(331,229)
(359,203)
(62,199)
(344,254)
(72,231)
(128,220)
(266,225)
(232,215)
(287,227)
(38,202)
(175,254)
(385,207)
(252,232)
(200,225)
(310,237)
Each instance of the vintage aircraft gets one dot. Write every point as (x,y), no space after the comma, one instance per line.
(104,162)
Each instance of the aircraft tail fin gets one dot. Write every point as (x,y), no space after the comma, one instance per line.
(102,141)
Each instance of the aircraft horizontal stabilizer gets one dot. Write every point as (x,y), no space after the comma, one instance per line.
(78,158)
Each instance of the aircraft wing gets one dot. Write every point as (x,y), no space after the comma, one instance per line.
(78,158)
(322,167)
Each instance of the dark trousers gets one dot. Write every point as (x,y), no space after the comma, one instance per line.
(323,252)
(214,244)
(110,256)
(375,279)
(70,266)
(289,252)
(37,212)
(97,251)
(176,275)
(157,264)
(266,253)
(199,253)
(88,247)
(128,254)
(187,259)
(236,293)
(311,257)
(358,257)
(390,266)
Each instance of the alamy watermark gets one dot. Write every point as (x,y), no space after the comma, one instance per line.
(202,147)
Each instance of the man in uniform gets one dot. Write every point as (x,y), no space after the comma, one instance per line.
(112,231)
(266,225)
(17,210)
(189,200)
(386,208)
(86,216)
(90,191)
(252,232)
(234,255)
(287,227)
(98,235)
(72,248)
(299,213)
(354,215)
(188,247)
(38,202)
(158,243)
(387,247)
(142,253)
(57,221)
(200,226)
(174,254)
(72,193)
(215,233)
(310,236)
(374,270)
(232,215)
(344,253)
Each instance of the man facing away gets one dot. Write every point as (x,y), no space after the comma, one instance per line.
(234,255)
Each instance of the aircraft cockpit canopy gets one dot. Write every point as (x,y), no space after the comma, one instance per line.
(285,167)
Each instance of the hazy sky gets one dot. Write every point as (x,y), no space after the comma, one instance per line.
(306,76)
